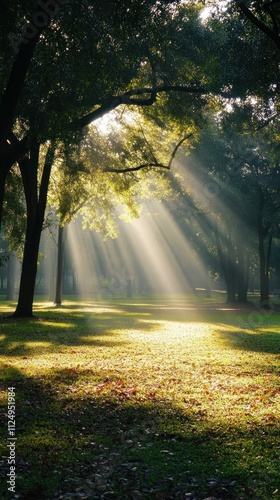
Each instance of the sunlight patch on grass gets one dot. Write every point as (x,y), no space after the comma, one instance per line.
(22,346)
(35,345)
(271,329)
(172,331)
(42,304)
(57,324)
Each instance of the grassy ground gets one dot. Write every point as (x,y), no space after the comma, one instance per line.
(147,398)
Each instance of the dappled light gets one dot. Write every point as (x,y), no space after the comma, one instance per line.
(146,377)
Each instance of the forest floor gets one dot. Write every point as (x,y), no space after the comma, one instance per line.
(143,398)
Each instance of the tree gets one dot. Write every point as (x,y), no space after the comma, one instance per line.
(101,37)
(256,153)
(53,103)
(237,171)
(264,16)
(156,49)
(122,166)
(247,33)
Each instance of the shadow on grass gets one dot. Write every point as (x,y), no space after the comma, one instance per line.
(70,325)
(95,324)
(94,443)
(263,337)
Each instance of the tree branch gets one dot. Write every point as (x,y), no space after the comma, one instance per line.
(14,152)
(46,176)
(134,169)
(258,23)
(267,7)
(24,46)
(187,136)
(154,164)
(129,99)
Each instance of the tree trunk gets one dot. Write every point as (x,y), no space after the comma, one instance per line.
(247,273)
(28,273)
(58,290)
(231,295)
(35,217)
(1,280)
(242,278)
(227,265)
(264,271)
(208,286)
(3,177)
(11,278)
(24,47)
(74,284)
(265,298)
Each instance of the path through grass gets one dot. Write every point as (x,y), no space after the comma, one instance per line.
(163,398)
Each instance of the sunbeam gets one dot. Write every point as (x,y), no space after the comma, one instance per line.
(150,254)
(82,256)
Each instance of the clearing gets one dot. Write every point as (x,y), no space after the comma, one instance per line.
(151,397)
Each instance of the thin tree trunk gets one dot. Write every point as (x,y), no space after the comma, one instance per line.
(264,274)
(267,272)
(1,279)
(227,266)
(58,290)
(247,273)
(208,286)
(74,284)
(11,278)
(242,281)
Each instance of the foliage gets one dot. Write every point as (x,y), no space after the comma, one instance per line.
(14,215)
(137,43)
(228,194)
(4,257)
(45,101)
(112,171)
(190,67)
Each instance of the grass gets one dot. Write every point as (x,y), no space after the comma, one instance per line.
(156,397)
